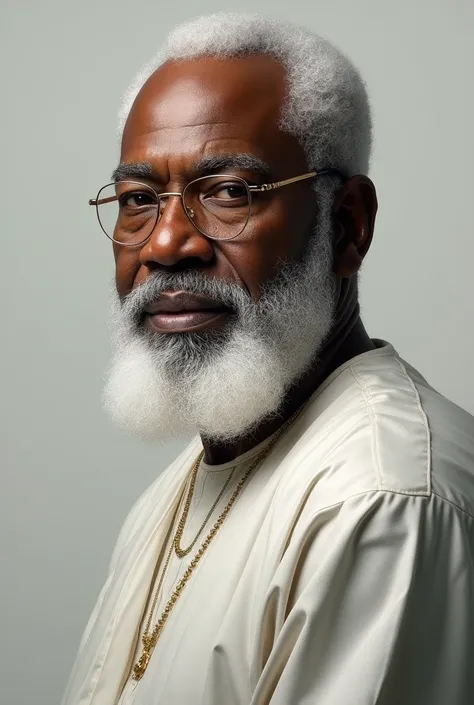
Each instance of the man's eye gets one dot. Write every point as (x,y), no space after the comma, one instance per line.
(136,199)
(229,192)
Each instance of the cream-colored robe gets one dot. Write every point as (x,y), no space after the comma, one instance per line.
(343,575)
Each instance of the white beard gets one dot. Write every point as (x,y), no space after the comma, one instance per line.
(221,385)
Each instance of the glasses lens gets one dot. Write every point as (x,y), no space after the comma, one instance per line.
(219,206)
(127,212)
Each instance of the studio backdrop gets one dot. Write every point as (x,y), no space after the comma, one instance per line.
(68,477)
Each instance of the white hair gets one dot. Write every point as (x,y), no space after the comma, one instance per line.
(326,108)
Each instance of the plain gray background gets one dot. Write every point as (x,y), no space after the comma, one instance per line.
(69,477)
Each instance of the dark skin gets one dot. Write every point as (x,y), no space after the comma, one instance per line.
(208,106)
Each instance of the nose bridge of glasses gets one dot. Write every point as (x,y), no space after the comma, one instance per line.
(163,199)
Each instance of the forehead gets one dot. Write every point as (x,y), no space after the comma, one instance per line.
(190,109)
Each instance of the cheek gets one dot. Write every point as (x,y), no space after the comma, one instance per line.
(271,238)
(127,266)
(286,224)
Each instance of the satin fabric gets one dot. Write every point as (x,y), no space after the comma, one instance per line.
(343,574)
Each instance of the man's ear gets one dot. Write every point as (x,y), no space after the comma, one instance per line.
(354,211)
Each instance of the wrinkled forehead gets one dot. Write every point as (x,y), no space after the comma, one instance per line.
(208,99)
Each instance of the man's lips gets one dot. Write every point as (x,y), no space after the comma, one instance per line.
(179,312)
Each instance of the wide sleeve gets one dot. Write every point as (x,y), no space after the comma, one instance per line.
(126,532)
(124,536)
(373,604)
(133,520)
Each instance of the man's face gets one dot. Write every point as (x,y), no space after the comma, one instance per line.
(202,108)
(219,374)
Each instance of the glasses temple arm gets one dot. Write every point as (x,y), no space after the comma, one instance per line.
(100,201)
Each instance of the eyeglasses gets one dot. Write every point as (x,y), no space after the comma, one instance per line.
(218,206)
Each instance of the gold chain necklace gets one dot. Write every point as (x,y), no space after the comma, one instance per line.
(181,552)
(175,542)
(150,638)
(181,524)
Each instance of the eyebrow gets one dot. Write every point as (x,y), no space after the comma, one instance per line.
(204,167)
(140,170)
(218,162)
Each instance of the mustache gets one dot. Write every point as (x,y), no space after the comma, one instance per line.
(228,294)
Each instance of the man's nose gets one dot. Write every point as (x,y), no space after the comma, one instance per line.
(175,239)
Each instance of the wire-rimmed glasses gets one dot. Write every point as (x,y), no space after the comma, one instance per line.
(219,206)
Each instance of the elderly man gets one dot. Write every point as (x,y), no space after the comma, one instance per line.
(315,541)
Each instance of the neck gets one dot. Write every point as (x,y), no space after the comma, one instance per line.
(348,338)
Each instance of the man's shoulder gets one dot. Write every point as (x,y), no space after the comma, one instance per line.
(378,426)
